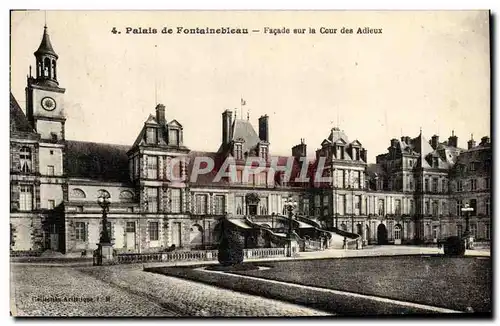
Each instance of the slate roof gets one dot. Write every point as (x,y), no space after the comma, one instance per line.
(46,46)
(18,120)
(243,129)
(105,162)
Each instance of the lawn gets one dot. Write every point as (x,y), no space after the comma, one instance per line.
(454,283)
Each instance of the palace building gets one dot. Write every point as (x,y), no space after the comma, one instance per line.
(412,194)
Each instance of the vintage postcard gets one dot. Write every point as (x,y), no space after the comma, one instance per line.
(250,163)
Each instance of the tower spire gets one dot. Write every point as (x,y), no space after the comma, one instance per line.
(46,62)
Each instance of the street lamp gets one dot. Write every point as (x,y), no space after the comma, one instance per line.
(103,201)
(467,209)
(290,205)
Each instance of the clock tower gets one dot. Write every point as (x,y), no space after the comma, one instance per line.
(44,97)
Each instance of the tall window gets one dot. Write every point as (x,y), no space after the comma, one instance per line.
(344,178)
(487,206)
(427,208)
(176,169)
(459,229)
(459,207)
(434,184)
(435,208)
(426,185)
(397,208)
(487,183)
(381,208)
(238,151)
(459,185)
(317,205)
(357,181)
(51,204)
(357,205)
(473,230)
(153,231)
(201,204)
(239,205)
(173,137)
(444,209)
(219,201)
(175,197)
(152,167)
(25,159)
(262,178)
(26,198)
(152,194)
(487,231)
(151,136)
(263,206)
(305,206)
(473,184)
(50,170)
(412,207)
(341,204)
(473,204)
(325,205)
(80,231)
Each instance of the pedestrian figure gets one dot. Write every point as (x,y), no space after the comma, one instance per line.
(345,243)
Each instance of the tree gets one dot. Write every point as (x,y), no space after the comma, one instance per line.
(230,246)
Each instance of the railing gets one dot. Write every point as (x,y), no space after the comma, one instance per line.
(167,256)
(127,258)
(25,253)
(264,252)
(313,245)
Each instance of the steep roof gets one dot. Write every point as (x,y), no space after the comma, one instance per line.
(243,130)
(46,46)
(205,179)
(18,120)
(337,134)
(106,162)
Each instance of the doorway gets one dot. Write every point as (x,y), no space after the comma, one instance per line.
(252,209)
(54,237)
(397,234)
(130,235)
(381,234)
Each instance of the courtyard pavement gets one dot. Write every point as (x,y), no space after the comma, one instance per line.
(126,290)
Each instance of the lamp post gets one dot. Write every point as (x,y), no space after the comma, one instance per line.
(104,252)
(467,235)
(103,201)
(290,206)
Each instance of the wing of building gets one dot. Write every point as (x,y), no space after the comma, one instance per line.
(165,194)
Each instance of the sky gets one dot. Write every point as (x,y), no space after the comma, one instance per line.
(427,69)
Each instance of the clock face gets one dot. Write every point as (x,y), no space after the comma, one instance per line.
(48,103)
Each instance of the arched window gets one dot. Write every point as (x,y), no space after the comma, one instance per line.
(126,196)
(397,232)
(46,68)
(104,193)
(78,193)
(54,75)
(25,159)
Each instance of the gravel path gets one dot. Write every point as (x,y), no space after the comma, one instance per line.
(128,291)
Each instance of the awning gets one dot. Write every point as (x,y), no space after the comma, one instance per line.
(239,223)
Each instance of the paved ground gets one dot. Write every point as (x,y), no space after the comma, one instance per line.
(125,290)
(132,292)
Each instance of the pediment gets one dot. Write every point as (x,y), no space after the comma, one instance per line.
(340,141)
(151,120)
(356,143)
(174,123)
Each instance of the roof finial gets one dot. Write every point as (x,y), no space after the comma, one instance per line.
(471,136)
(420,130)
(45,25)
(248,115)
(453,132)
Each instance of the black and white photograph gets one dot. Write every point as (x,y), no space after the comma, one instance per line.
(250,163)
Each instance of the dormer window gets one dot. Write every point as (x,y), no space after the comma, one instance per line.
(53,136)
(238,151)
(173,137)
(356,153)
(342,152)
(435,162)
(151,136)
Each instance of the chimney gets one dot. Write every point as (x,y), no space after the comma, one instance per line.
(407,140)
(160,114)
(485,140)
(264,128)
(471,143)
(394,142)
(435,141)
(300,150)
(453,140)
(227,124)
